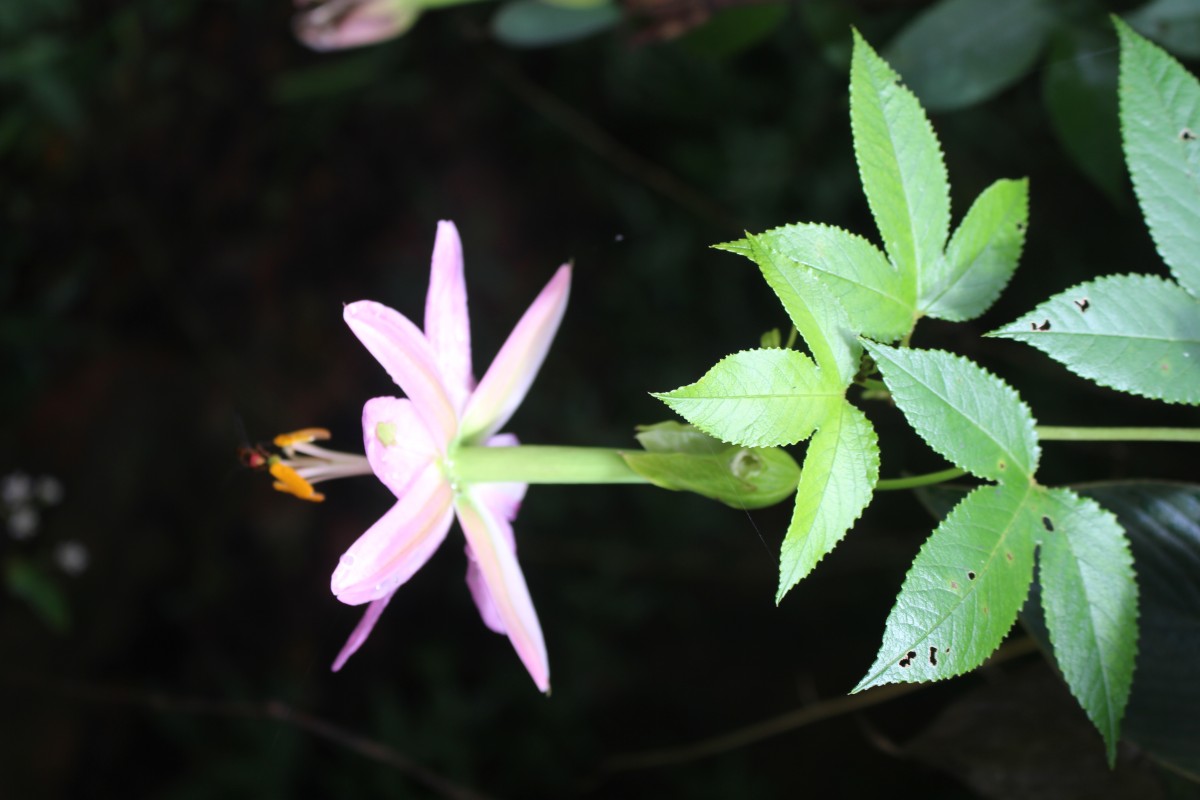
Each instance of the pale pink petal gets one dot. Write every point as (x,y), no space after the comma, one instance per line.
(361,631)
(509,377)
(401,348)
(489,537)
(482,597)
(340,24)
(398,544)
(447,326)
(411,450)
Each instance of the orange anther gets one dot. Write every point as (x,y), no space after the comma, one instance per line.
(289,481)
(301,436)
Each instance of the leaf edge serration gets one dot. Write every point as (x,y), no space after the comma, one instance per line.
(1027,337)
(1031,424)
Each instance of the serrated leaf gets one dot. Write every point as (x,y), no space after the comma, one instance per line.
(1160,122)
(981,256)
(740,477)
(1135,333)
(1089,597)
(818,316)
(757,398)
(969,416)
(879,301)
(963,592)
(1175,24)
(960,52)
(900,162)
(841,468)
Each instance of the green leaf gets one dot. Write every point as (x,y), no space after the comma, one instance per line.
(879,301)
(533,23)
(1162,522)
(1160,122)
(1090,601)
(740,477)
(757,398)
(1135,333)
(963,592)
(841,468)
(1080,92)
(676,437)
(815,312)
(981,256)
(961,52)
(1175,24)
(40,591)
(900,162)
(974,419)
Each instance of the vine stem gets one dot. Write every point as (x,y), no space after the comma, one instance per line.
(1066,433)
(912,482)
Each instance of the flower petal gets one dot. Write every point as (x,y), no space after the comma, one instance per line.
(397,442)
(361,631)
(398,544)
(489,536)
(447,326)
(339,24)
(403,351)
(509,377)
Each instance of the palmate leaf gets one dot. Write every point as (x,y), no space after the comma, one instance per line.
(841,468)
(981,256)
(1160,122)
(965,413)
(816,313)
(962,594)
(879,300)
(900,163)
(1089,597)
(1135,333)
(758,398)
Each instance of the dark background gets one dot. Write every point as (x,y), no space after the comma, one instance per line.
(189,197)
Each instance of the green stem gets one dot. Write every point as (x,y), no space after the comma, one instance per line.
(919,480)
(1051,433)
(542,464)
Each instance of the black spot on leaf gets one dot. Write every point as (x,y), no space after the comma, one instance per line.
(1045,326)
(904,662)
(1047,523)
(1187,135)
(970,575)
(1083,304)
(933,656)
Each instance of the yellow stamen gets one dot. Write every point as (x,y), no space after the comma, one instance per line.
(289,481)
(301,436)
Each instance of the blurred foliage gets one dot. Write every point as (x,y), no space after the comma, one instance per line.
(189,197)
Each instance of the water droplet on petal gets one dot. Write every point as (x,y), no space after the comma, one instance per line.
(347,561)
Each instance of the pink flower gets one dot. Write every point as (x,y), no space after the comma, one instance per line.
(340,24)
(411,444)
